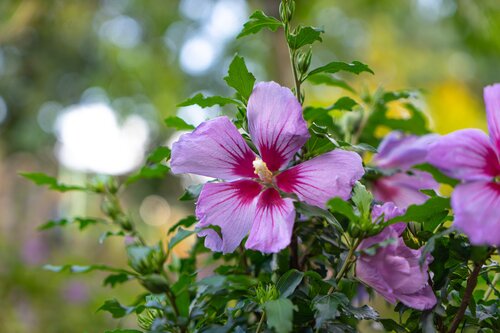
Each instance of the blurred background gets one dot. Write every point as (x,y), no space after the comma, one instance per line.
(85,86)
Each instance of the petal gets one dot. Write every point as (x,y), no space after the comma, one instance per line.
(388,209)
(492,101)
(276,124)
(465,154)
(214,149)
(329,175)
(367,272)
(232,207)
(273,225)
(477,211)
(402,152)
(424,299)
(404,188)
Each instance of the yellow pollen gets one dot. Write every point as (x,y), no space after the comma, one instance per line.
(262,171)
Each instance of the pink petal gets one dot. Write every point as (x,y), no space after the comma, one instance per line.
(424,299)
(492,101)
(399,151)
(367,271)
(232,207)
(329,175)
(477,211)
(404,188)
(276,124)
(214,149)
(465,154)
(273,225)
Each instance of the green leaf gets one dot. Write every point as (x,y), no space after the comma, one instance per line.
(208,101)
(362,199)
(108,234)
(178,124)
(181,292)
(116,309)
(42,179)
(83,222)
(191,193)
(333,67)
(185,222)
(431,243)
(329,80)
(392,326)
(304,36)
(437,175)
(326,309)
(344,103)
(289,282)
(179,237)
(258,21)
(434,208)
(343,207)
(312,211)
(118,278)
(123,330)
(240,78)
(154,167)
(85,269)
(280,314)
(160,154)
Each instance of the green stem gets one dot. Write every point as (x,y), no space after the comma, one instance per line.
(261,323)
(346,265)
(297,80)
(491,286)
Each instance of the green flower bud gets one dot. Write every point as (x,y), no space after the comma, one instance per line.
(304,61)
(155,283)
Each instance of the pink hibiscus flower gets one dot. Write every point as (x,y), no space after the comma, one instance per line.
(394,270)
(249,200)
(398,153)
(472,157)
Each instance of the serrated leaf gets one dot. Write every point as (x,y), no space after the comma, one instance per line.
(178,123)
(83,222)
(329,81)
(280,314)
(437,175)
(326,308)
(343,207)
(304,36)
(288,282)
(154,167)
(116,309)
(179,237)
(312,211)
(258,21)
(362,199)
(208,101)
(433,208)
(42,179)
(191,193)
(185,222)
(333,67)
(239,78)
(108,234)
(113,279)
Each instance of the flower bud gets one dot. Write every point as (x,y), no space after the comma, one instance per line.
(286,9)
(304,61)
(155,283)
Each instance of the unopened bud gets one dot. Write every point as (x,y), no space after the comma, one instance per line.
(304,61)
(286,9)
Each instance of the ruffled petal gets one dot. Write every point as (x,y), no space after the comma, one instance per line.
(276,124)
(214,149)
(492,101)
(424,299)
(329,175)
(477,211)
(230,206)
(465,154)
(404,188)
(367,271)
(399,151)
(273,225)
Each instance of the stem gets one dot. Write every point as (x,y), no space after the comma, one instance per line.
(491,286)
(297,80)
(261,322)
(346,265)
(359,131)
(294,257)
(469,288)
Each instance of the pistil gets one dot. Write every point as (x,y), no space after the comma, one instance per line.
(262,171)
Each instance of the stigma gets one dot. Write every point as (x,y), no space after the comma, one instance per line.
(261,170)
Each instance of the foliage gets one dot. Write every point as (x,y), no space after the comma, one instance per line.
(309,286)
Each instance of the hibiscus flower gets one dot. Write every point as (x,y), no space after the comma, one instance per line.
(252,198)
(397,154)
(394,270)
(472,157)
